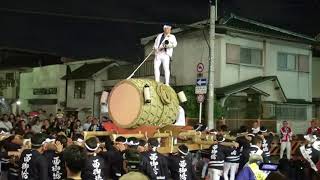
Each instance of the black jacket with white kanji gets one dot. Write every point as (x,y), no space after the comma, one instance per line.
(95,168)
(313,154)
(33,165)
(266,145)
(154,165)
(253,149)
(233,155)
(217,154)
(56,165)
(181,168)
(244,143)
(114,163)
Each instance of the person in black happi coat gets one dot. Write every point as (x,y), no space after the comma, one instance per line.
(180,165)
(95,167)
(33,165)
(154,164)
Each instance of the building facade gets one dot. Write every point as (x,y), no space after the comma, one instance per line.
(42,88)
(261,71)
(316,87)
(9,89)
(84,83)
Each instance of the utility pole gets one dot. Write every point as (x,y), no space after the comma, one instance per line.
(210,101)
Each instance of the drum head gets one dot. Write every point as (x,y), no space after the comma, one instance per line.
(125,103)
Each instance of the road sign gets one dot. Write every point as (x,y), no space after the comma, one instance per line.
(201,81)
(200,98)
(200,67)
(201,90)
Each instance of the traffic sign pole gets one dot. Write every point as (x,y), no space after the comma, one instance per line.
(200,113)
(200,99)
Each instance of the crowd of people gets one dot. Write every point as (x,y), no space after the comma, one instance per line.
(36,147)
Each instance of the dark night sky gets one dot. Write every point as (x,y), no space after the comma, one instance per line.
(55,26)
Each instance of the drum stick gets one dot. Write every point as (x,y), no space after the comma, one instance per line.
(140,65)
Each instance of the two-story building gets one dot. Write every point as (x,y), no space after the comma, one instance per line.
(84,83)
(261,71)
(42,88)
(315,82)
(9,89)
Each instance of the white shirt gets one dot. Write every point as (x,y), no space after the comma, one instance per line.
(6,125)
(255,130)
(181,120)
(86,126)
(172,44)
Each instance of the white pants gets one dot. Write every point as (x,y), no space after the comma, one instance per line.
(214,174)
(232,167)
(204,169)
(165,60)
(287,146)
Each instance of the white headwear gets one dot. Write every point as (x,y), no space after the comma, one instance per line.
(166,26)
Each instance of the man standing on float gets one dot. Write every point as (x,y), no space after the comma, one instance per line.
(163,47)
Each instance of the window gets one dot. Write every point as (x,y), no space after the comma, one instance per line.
(303,63)
(315,111)
(251,56)
(79,89)
(233,54)
(291,112)
(293,62)
(10,80)
(240,55)
(9,76)
(268,110)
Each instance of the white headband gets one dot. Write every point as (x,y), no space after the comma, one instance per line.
(80,140)
(166,26)
(47,141)
(4,133)
(263,131)
(91,149)
(223,139)
(131,143)
(183,152)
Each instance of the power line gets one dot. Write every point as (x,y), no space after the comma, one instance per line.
(107,19)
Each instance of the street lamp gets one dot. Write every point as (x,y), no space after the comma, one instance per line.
(18,102)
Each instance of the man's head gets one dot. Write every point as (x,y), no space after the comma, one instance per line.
(75,158)
(92,144)
(95,121)
(223,129)
(255,124)
(63,140)
(257,141)
(153,144)
(78,139)
(5,117)
(183,150)
(142,146)
(132,142)
(120,143)
(313,124)
(243,129)
(263,131)
(89,119)
(285,124)
(167,29)
(37,142)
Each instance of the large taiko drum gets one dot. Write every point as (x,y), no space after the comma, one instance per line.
(127,107)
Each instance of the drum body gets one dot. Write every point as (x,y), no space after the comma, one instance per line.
(127,107)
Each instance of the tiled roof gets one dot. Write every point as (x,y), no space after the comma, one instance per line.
(233,88)
(86,71)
